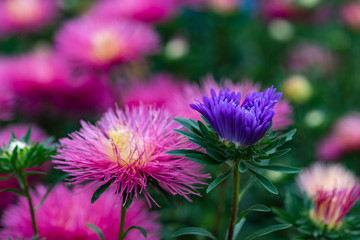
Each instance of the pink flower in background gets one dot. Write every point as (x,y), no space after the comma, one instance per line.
(6,105)
(141,10)
(19,130)
(271,9)
(26,15)
(345,137)
(129,148)
(64,215)
(224,6)
(334,191)
(100,43)
(350,14)
(309,56)
(179,104)
(157,91)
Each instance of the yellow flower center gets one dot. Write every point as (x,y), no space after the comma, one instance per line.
(106,46)
(23,11)
(126,147)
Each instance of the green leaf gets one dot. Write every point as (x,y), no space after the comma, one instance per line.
(203,129)
(289,135)
(265,182)
(188,134)
(218,180)
(238,227)
(6,178)
(26,138)
(215,154)
(193,231)
(15,191)
(277,153)
(242,167)
(181,152)
(254,208)
(202,158)
(56,181)
(97,230)
(142,230)
(270,136)
(187,123)
(268,230)
(100,191)
(277,168)
(35,173)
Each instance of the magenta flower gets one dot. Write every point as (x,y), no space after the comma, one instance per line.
(128,147)
(100,43)
(350,15)
(277,9)
(334,191)
(141,10)
(67,218)
(26,15)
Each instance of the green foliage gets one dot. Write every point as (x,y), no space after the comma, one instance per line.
(97,230)
(100,191)
(193,231)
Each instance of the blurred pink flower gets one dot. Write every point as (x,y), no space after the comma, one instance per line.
(224,6)
(309,56)
(100,43)
(350,14)
(345,137)
(26,15)
(141,10)
(270,9)
(64,215)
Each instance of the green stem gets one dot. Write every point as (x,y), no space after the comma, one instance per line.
(122,221)
(235,201)
(31,206)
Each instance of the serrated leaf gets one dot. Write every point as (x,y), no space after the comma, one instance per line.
(97,230)
(142,230)
(268,230)
(242,167)
(277,168)
(100,191)
(254,208)
(265,182)
(193,231)
(218,180)
(202,158)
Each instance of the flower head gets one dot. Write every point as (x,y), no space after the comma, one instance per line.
(334,191)
(101,43)
(350,14)
(67,218)
(244,123)
(25,15)
(128,148)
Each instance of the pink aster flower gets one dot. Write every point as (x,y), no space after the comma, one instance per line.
(334,191)
(179,105)
(157,91)
(271,9)
(345,137)
(26,15)
(67,218)
(350,14)
(128,147)
(141,10)
(100,43)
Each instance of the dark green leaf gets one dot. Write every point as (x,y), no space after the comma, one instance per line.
(265,182)
(96,230)
(215,154)
(238,227)
(203,129)
(182,152)
(15,191)
(26,138)
(6,178)
(277,168)
(188,134)
(254,208)
(187,123)
(35,173)
(270,136)
(242,167)
(142,230)
(289,135)
(218,180)
(193,231)
(268,230)
(100,191)
(278,153)
(202,158)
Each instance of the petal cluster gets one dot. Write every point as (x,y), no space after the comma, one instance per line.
(244,123)
(129,148)
(65,213)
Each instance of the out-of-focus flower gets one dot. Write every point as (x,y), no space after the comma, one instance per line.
(26,15)
(244,123)
(224,6)
(141,10)
(176,48)
(179,104)
(271,9)
(334,191)
(308,56)
(345,137)
(41,81)
(128,148)
(6,104)
(297,88)
(100,43)
(157,91)
(350,14)
(281,30)
(65,215)
(314,118)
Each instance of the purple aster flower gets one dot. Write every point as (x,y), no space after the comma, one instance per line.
(244,123)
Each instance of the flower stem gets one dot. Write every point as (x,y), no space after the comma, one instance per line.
(25,187)
(235,201)
(122,221)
